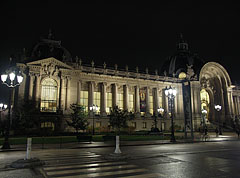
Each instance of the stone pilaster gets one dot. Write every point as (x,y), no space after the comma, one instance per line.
(125,96)
(62,95)
(137,101)
(103,99)
(147,114)
(155,99)
(37,88)
(90,94)
(31,84)
(79,85)
(115,93)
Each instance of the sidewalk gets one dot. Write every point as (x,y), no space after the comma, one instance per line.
(30,173)
(227,136)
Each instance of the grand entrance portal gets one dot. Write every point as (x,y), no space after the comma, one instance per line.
(215,90)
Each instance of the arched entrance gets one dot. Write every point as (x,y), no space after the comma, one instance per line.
(215,85)
(205,101)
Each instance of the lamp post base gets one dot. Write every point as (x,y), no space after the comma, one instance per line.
(173,139)
(6,145)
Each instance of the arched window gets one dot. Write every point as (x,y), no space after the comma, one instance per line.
(49,95)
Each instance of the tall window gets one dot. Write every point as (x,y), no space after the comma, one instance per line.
(151,104)
(97,100)
(109,103)
(120,100)
(84,99)
(130,102)
(49,96)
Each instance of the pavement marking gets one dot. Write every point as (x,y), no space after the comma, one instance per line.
(61,172)
(101,174)
(83,165)
(146,175)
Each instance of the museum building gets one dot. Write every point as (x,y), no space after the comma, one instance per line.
(55,80)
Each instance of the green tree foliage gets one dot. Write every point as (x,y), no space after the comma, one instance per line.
(78,117)
(26,116)
(118,118)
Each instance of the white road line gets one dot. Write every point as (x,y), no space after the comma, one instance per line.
(56,173)
(83,165)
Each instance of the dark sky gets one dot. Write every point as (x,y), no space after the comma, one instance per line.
(137,34)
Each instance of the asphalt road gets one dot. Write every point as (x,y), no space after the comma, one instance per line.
(191,160)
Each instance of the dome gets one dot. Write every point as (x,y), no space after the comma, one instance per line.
(50,48)
(182,61)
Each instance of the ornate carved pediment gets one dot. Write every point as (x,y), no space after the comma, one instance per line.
(51,61)
(49,66)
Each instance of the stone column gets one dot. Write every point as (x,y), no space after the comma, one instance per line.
(66,93)
(125,96)
(230,102)
(103,99)
(37,88)
(90,94)
(115,93)
(137,100)
(31,80)
(79,85)
(147,114)
(155,99)
(62,94)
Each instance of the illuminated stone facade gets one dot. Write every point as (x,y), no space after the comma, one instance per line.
(67,82)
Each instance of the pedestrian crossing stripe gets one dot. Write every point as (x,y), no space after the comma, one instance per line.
(88,170)
(83,165)
(148,175)
(101,174)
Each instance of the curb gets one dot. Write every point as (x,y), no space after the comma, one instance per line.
(125,145)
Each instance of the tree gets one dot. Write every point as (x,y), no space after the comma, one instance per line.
(26,117)
(78,118)
(118,119)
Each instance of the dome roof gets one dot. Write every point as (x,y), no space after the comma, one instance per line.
(181,61)
(50,48)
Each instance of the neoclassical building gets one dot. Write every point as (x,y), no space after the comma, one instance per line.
(55,80)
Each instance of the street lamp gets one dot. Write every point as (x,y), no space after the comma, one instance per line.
(3,107)
(11,79)
(204,113)
(159,111)
(171,93)
(218,108)
(93,109)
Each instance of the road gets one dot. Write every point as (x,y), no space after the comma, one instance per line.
(191,160)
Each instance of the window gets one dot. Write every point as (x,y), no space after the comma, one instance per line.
(97,100)
(134,125)
(98,124)
(49,125)
(131,104)
(84,99)
(144,125)
(151,104)
(49,96)
(120,100)
(109,103)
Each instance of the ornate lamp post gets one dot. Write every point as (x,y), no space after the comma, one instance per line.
(3,107)
(155,115)
(218,108)
(11,79)
(93,109)
(204,113)
(171,93)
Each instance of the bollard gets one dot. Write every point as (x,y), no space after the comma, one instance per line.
(29,148)
(117,150)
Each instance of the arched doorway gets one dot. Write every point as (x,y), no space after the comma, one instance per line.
(215,87)
(205,101)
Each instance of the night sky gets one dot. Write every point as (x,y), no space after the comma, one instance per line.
(142,35)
